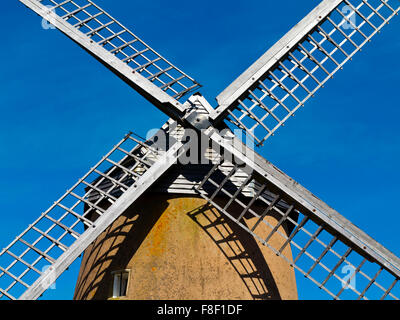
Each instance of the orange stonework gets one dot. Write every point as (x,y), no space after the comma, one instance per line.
(179,248)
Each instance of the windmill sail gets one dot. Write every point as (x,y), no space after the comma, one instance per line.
(264,97)
(309,235)
(312,237)
(38,256)
(120,50)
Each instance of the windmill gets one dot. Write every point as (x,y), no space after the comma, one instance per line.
(238,183)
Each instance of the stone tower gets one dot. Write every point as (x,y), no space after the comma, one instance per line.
(172,245)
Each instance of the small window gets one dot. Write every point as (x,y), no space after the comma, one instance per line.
(120,283)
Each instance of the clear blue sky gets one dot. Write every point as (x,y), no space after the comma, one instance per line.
(61,110)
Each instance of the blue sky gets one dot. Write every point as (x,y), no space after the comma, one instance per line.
(61,110)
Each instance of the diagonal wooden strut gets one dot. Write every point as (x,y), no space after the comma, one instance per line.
(277,85)
(64,231)
(119,50)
